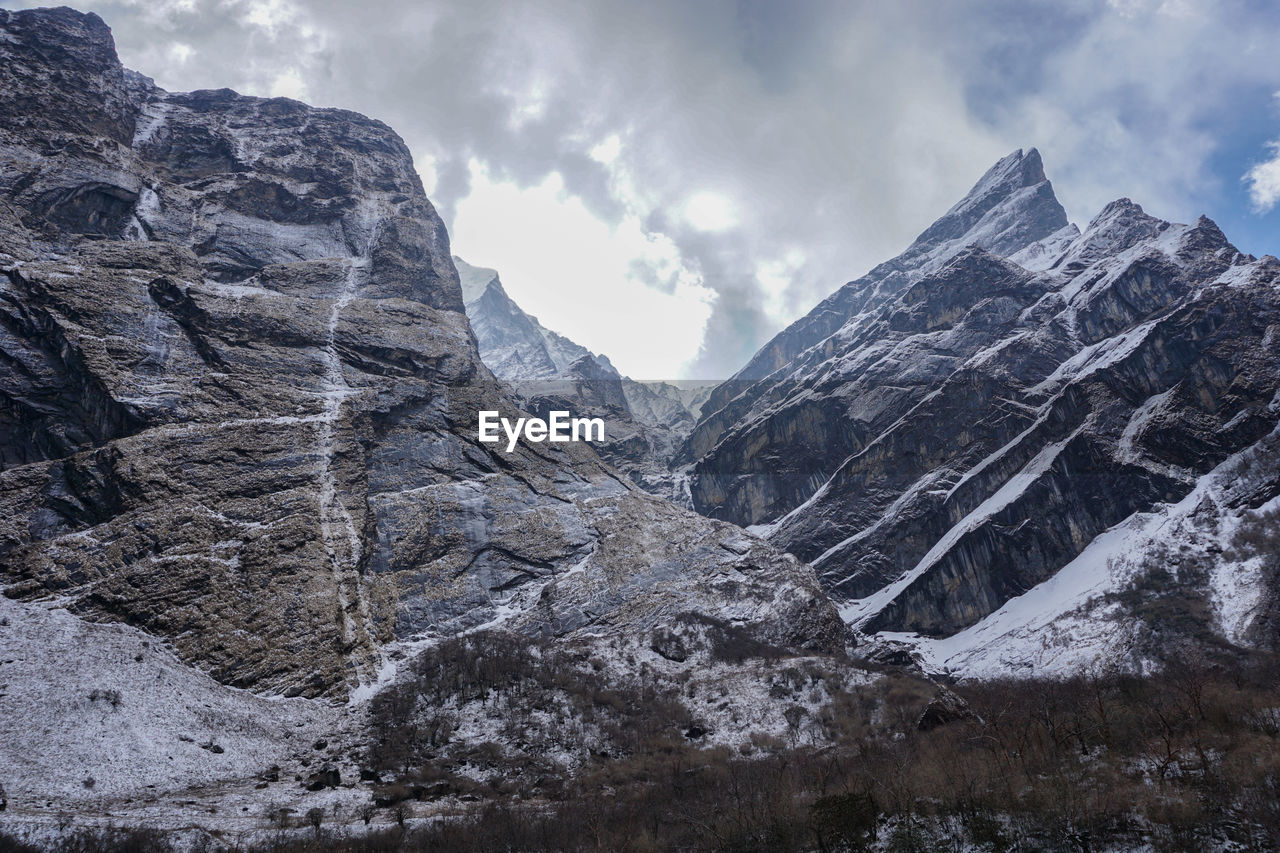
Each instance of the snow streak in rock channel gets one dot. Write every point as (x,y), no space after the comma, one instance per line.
(343,546)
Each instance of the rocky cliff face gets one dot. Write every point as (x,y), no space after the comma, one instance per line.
(749,469)
(980,414)
(646,422)
(240,393)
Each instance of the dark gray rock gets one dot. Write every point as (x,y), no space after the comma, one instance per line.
(751,462)
(970,429)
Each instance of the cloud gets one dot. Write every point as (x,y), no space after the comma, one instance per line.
(709,211)
(776,150)
(289,84)
(1138,97)
(1263,181)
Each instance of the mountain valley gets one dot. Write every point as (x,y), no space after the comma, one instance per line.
(981,553)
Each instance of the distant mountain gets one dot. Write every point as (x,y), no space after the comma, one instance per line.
(646,422)
(989,442)
(513,344)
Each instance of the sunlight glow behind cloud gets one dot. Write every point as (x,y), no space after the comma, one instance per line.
(289,84)
(775,277)
(578,276)
(708,211)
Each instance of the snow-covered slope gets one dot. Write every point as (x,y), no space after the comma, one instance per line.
(123,717)
(1081,620)
(981,425)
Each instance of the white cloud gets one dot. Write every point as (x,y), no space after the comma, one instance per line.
(270,15)
(775,277)
(1134,8)
(425,164)
(289,84)
(158,10)
(1264,181)
(607,151)
(180,52)
(1137,101)
(708,211)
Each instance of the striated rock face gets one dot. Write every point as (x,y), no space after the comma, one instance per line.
(1011,210)
(1112,390)
(240,393)
(972,426)
(646,422)
(755,456)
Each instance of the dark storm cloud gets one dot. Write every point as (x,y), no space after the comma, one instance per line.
(837,129)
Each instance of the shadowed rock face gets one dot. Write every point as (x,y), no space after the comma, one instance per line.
(970,428)
(1113,392)
(239,398)
(749,468)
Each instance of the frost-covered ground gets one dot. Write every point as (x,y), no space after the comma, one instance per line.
(733,702)
(101,723)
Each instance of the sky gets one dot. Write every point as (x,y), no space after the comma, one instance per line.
(671,182)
